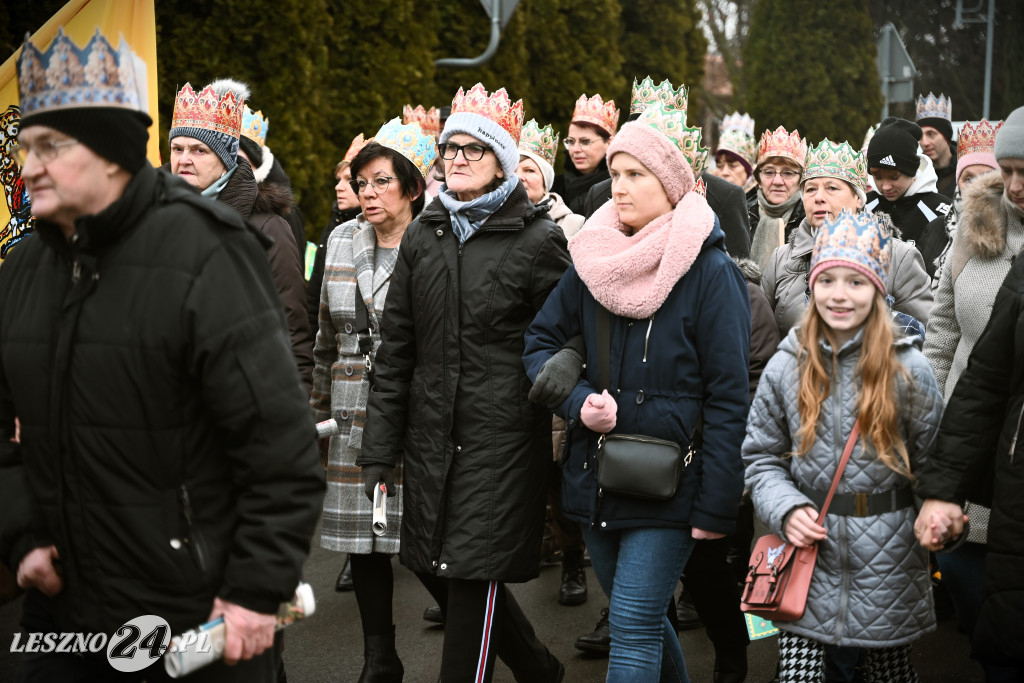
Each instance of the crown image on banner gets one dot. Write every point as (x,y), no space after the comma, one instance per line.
(782,144)
(832,160)
(541,141)
(974,139)
(429,120)
(207,112)
(932,107)
(254,126)
(858,238)
(672,124)
(67,76)
(740,122)
(357,144)
(645,93)
(496,107)
(408,140)
(594,110)
(738,142)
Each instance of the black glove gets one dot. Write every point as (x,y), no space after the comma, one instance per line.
(559,376)
(373,474)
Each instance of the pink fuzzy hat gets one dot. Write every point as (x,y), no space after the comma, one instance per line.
(655,150)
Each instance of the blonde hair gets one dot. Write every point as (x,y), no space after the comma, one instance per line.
(877,375)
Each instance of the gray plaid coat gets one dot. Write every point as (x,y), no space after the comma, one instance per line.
(340,389)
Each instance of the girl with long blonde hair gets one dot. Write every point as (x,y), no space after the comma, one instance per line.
(847,363)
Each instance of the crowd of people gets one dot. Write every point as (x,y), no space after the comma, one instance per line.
(484,334)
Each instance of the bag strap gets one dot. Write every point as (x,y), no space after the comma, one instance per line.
(847,452)
(363,324)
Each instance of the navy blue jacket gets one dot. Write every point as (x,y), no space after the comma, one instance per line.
(697,353)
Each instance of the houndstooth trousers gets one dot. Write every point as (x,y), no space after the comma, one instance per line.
(802,660)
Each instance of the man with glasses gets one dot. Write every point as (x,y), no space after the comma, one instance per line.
(166,464)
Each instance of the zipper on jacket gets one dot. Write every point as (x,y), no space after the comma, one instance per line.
(1016,433)
(192,537)
(647,337)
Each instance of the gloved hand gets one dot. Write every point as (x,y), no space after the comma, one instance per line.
(557,378)
(375,473)
(598,412)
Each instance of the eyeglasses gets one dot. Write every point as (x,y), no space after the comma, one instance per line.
(45,151)
(582,142)
(787,175)
(379,184)
(471,152)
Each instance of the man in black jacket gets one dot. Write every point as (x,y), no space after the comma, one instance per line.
(166,464)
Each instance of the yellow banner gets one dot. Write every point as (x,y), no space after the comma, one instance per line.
(133,19)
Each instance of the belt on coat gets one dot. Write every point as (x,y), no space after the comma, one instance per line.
(861,504)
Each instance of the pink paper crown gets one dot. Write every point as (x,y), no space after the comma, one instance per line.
(496,107)
(975,139)
(357,144)
(429,120)
(782,144)
(207,111)
(594,110)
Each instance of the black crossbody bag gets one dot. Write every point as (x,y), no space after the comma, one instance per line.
(635,465)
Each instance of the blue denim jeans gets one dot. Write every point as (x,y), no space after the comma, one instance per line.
(638,570)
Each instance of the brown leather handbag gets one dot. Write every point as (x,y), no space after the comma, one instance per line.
(779,574)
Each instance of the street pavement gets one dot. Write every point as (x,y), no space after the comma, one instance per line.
(328,647)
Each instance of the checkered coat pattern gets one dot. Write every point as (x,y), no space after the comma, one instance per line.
(340,389)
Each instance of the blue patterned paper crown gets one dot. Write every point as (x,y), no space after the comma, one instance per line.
(932,107)
(672,124)
(255,126)
(67,76)
(856,241)
(409,141)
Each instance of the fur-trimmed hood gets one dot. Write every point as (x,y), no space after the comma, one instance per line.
(983,217)
(273,198)
(751,272)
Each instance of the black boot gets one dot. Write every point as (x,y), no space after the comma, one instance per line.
(598,640)
(730,666)
(574,580)
(382,664)
(344,582)
(686,613)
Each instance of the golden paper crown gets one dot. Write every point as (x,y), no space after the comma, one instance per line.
(672,124)
(541,141)
(645,93)
(602,114)
(207,111)
(740,122)
(408,140)
(357,144)
(837,160)
(932,107)
(496,107)
(977,139)
(254,126)
(429,120)
(782,144)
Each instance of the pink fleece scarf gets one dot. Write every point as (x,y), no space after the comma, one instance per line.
(632,275)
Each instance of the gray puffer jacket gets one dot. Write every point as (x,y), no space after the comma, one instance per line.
(871,586)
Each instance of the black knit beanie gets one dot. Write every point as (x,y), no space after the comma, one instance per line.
(252,150)
(940,124)
(894,146)
(116,134)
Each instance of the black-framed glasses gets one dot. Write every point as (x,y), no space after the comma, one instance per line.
(379,184)
(45,151)
(474,151)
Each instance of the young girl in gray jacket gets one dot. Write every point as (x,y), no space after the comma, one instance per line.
(844,363)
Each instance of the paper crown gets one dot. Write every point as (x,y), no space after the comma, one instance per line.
(739,143)
(254,126)
(832,160)
(672,124)
(932,107)
(497,107)
(357,144)
(540,141)
(867,138)
(977,139)
(408,140)
(740,122)
(207,111)
(700,188)
(594,110)
(645,93)
(429,120)
(66,76)
(857,240)
(782,144)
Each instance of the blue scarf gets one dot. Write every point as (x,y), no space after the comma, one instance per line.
(213,191)
(467,217)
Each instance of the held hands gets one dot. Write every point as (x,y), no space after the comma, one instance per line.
(375,473)
(598,412)
(557,378)
(802,528)
(38,569)
(938,522)
(246,633)
(702,535)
